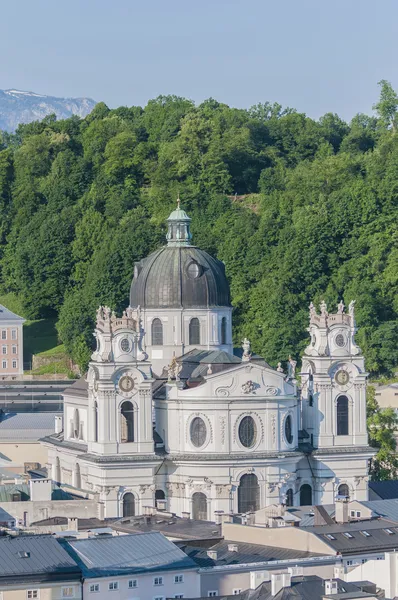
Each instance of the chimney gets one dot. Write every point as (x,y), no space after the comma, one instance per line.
(218,516)
(279,581)
(59,425)
(330,587)
(73,524)
(341,509)
(40,490)
(186,515)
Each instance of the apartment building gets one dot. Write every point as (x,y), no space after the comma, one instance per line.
(11,344)
(37,567)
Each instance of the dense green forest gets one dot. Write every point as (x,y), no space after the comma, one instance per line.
(298,209)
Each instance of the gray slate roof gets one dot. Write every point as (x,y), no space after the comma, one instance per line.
(125,554)
(26,426)
(176,527)
(79,388)
(163,281)
(310,587)
(46,556)
(376,537)
(386,490)
(384,508)
(247,553)
(8,315)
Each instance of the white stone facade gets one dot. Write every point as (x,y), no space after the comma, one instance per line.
(219,434)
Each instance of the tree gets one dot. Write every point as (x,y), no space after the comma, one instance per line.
(386,107)
(382,427)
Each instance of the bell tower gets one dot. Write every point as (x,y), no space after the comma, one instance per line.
(334,406)
(119,387)
(334,380)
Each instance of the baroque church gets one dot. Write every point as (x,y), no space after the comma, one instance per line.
(169,415)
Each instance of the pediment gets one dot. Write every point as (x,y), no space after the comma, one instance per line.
(248,380)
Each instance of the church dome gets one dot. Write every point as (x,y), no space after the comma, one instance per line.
(179,275)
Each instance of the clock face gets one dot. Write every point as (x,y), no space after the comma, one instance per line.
(342,377)
(126,383)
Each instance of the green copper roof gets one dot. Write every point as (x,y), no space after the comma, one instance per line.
(178,215)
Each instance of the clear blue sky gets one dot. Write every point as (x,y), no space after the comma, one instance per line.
(314,55)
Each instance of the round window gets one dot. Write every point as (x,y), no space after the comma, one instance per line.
(198,432)
(193,270)
(340,340)
(288,429)
(247,432)
(125,345)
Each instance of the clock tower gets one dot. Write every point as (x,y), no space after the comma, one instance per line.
(334,404)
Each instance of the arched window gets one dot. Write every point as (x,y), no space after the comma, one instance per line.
(76,424)
(78,481)
(248,493)
(128,505)
(305,495)
(342,415)
(126,422)
(194,332)
(157,332)
(95,424)
(159,495)
(343,490)
(199,506)
(224,330)
(289,497)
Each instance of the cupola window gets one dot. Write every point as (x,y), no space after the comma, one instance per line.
(224,330)
(157,332)
(194,332)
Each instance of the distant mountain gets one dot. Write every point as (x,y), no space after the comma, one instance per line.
(17,106)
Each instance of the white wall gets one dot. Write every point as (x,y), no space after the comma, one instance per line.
(146,589)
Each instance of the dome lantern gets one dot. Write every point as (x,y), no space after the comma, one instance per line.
(178,232)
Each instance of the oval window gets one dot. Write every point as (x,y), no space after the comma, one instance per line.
(125,345)
(288,429)
(193,270)
(247,432)
(198,432)
(340,340)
